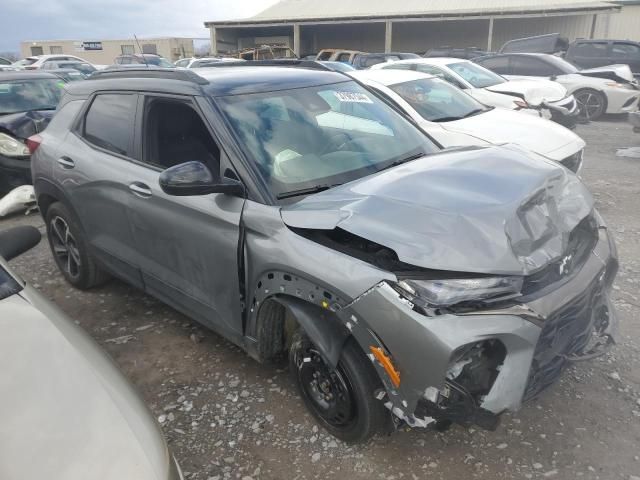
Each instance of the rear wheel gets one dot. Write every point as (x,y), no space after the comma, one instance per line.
(69,248)
(592,103)
(341,399)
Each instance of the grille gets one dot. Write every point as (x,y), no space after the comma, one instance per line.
(566,332)
(582,240)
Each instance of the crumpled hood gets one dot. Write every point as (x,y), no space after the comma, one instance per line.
(507,126)
(497,210)
(535,92)
(617,72)
(24,124)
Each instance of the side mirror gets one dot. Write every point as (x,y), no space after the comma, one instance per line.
(194,178)
(16,241)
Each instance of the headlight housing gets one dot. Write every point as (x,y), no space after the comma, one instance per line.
(448,292)
(12,147)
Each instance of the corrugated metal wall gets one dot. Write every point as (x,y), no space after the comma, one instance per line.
(620,26)
(421,36)
(571,27)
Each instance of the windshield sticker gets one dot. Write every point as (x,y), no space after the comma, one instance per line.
(352,97)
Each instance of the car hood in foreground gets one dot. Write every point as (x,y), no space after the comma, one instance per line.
(535,92)
(24,124)
(496,210)
(507,126)
(67,411)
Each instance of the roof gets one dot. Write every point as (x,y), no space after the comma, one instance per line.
(214,81)
(440,61)
(24,75)
(309,10)
(388,77)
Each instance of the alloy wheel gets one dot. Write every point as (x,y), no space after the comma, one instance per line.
(590,104)
(64,247)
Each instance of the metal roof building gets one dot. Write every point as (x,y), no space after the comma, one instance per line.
(410,25)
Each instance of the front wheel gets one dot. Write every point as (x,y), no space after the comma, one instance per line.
(592,103)
(341,399)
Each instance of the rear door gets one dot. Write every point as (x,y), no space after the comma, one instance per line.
(627,53)
(187,246)
(94,167)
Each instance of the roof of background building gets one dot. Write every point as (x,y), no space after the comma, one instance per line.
(327,10)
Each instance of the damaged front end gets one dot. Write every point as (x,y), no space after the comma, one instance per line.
(525,293)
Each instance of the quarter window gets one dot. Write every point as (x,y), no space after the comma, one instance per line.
(109,123)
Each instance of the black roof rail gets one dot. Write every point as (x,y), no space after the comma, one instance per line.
(277,62)
(145,72)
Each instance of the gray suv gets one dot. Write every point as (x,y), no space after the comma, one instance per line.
(296,213)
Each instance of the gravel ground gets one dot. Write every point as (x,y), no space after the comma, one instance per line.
(225,416)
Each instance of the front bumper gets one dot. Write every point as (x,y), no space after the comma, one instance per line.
(538,338)
(14,172)
(622,100)
(565,112)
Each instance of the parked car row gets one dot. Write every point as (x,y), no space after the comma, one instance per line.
(407,283)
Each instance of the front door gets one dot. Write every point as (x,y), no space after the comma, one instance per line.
(187,246)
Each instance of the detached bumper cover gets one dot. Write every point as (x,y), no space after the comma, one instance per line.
(540,336)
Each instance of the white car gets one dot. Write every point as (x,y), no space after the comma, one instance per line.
(610,89)
(454,118)
(39,61)
(541,98)
(194,62)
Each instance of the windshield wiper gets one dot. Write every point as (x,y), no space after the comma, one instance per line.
(306,191)
(474,112)
(395,163)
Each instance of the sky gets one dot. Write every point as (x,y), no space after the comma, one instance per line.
(104,19)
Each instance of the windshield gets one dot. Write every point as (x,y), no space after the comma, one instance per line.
(318,137)
(81,67)
(32,94)
(477,76)
(564,66)
(436,100)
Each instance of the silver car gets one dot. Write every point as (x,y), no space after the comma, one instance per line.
(295,212)
(67,412)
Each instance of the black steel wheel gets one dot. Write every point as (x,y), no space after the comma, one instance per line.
(342,398)
(69,249)
(592,104)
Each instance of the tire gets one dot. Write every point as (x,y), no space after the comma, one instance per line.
(353,414)
(69,248)
(592,104)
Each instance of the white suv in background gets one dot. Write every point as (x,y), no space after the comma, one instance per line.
(38,61)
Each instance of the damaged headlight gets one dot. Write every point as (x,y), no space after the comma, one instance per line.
(443,293)
(12,147)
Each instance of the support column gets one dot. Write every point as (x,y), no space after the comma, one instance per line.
(296,39)
(214,40)
(594,22)
(490,37)
(388,35)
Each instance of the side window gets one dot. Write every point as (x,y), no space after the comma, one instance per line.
(174,133)
(499,65)
(532,67)
(324,56)
(625,50)
(109,123)
(343,57)
(430,69)
(590,49)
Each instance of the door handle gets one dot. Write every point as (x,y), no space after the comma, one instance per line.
(140,189)
(66,163)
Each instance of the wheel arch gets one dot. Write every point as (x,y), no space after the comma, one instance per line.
(47,194)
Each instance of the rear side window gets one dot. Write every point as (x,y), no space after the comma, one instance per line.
(343,57)
(109,123)
(625,50)
(324,56)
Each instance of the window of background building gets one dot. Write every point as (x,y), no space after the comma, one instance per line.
(55,49)
(150,48)
(37,51)
(127,49)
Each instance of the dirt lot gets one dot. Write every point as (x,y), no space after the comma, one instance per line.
(226,416)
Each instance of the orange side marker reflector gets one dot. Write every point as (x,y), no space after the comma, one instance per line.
(385,361)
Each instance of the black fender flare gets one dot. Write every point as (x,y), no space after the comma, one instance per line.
(322,326)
